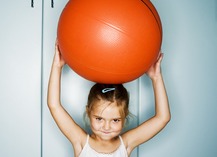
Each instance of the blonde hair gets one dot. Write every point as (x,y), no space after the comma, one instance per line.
(110,92)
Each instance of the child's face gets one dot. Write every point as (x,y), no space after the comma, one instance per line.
(105,120)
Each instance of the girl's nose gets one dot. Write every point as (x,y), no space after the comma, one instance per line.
(106,125)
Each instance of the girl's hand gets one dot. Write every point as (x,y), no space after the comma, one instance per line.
(58,59)
(155,70)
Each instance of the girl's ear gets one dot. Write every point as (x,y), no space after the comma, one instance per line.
(87,111)
(86,120)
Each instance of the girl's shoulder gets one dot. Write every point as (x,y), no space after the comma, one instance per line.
(126,138)
(78,147)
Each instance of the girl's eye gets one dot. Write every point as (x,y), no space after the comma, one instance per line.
(98,119)
(116,120)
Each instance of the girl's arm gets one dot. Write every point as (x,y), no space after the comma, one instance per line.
(64,121)
(151,127)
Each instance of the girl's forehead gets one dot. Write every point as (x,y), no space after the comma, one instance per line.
(106,108)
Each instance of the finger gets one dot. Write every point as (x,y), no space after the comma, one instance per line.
(56,42)
(57,50)
(160,57)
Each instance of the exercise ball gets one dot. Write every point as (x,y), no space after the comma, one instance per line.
(109,41)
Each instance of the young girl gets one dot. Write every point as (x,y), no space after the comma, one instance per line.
(107,108)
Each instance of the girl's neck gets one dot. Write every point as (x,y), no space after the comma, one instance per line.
(104,146)
(100,139)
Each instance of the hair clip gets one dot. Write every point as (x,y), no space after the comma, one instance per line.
(105,90)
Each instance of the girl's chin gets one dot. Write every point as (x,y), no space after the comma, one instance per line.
(106,135)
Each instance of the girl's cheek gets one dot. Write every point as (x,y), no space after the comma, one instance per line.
(120,127)
(96,126)
(117,127)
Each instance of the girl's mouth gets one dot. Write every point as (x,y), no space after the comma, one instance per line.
(106,132)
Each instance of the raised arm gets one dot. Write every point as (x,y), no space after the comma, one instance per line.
(152,126)
(64,121)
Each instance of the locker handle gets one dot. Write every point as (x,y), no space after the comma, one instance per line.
(52,3)
(32,3)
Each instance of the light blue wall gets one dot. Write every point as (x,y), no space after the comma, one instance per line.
(189,69)
(20,79)
(190,73)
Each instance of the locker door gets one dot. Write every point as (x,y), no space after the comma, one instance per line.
(20,80)
(74,90)
(189,69)
(54,143)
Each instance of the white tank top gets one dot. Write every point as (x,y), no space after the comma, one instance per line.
(87,151)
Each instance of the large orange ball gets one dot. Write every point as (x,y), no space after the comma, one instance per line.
(109,41)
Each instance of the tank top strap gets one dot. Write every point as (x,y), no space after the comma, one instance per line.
(121,139)
(122,148)
(85,148)
(87,140)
